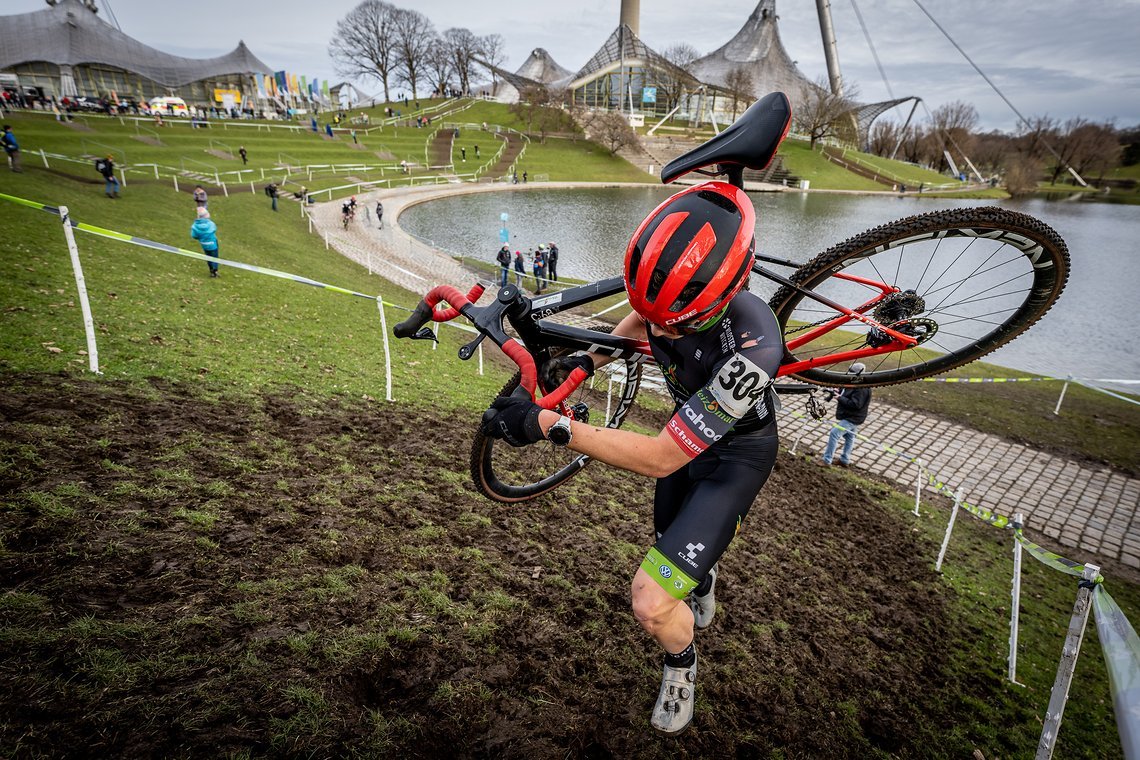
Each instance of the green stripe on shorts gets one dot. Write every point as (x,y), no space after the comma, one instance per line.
(675,582)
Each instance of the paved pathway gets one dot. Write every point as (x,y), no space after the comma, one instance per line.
(1077,505)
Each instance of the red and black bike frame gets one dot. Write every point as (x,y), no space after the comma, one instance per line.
(538,336)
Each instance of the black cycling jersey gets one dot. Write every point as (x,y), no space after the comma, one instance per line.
(719,377)
(725,419)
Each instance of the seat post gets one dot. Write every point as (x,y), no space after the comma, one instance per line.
(735,174)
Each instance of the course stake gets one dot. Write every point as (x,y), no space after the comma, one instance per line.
(917,486)
(1015,598)
(387,353)
(949,530)
(81,285)
(1072,648)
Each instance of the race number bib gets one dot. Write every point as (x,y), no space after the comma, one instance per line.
(739,385)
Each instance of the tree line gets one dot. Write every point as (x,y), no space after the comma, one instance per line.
(400,46)
(1041,148)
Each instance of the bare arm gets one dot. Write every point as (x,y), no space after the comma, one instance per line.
(654,456)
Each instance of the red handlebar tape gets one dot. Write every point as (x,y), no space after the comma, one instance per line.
(513,349)
(455,299)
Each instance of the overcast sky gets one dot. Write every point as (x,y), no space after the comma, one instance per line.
(1061,58)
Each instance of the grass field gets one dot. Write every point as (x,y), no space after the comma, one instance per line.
(229,544)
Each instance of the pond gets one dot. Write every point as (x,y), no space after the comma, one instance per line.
(1091,332)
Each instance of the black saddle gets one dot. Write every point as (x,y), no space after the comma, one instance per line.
(750,143)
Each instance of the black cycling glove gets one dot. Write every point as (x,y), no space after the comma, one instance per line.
(514,419)
(555,371)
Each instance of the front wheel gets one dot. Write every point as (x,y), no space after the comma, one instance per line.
(966,282)
(507,474)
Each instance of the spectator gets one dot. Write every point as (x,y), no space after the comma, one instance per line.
(520,268)
(244,157)
(463,154)
(328,129)
(272,191)
(380,214)
(524,178)
(106,167)
(850,412)
(200,199)
(539,269)
(12,148)
(552,262)
(504,259)
(353,133)
(476,151)
(206,232)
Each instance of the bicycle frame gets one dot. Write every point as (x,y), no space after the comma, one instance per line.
(530,319)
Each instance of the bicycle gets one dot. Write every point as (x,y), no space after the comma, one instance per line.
(929,293)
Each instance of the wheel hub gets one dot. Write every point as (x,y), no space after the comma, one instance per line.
(899,306)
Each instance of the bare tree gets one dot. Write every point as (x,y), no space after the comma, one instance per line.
(364,43)
(462,45)
(438,66)
(611,129)
(738,82)
(822,113)
(1086,147)
(952,125)
(537,107)
(414,34)
(672,83)
(1021,175)
(493,52)
(1032,138)
(992,151)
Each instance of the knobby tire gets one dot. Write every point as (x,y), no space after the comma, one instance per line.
(984,275)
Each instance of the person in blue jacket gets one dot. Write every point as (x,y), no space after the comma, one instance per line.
(206,232)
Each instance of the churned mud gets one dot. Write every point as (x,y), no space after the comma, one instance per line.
(188,575)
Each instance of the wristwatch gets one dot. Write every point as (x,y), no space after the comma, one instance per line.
(559,433)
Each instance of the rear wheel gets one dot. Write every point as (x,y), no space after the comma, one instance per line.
(504,473)
(968,280)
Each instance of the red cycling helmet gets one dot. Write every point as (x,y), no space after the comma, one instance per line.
(691,255)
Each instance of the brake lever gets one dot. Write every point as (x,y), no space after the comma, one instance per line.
(425,333)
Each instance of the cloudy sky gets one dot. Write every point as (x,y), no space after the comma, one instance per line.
(1061,58)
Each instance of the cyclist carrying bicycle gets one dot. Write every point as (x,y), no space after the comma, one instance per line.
(718,345)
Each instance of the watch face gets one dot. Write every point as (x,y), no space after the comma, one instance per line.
(559,434)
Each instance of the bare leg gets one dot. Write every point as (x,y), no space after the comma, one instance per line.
(666,619)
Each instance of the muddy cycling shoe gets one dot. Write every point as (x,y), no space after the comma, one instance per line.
(674,709)
(704,607)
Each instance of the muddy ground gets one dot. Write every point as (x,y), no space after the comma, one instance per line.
(190,575)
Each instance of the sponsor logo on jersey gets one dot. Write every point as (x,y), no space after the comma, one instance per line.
(699,426)
(712,406)
(685,438)
(691,554)
(666,571)
(727,336)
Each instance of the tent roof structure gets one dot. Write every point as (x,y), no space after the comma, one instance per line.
(756,49)
(541,67)
(71,33)
(623,44)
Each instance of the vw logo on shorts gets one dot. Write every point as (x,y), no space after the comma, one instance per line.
(665,571)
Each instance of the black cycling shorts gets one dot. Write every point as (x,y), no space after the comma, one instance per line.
(698,509)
